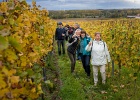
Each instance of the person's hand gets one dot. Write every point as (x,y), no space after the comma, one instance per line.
(90,43)
(74,36)
(63,34)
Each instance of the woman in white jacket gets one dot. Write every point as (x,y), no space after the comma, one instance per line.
(99,57)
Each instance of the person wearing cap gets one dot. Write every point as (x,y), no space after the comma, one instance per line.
(60,37)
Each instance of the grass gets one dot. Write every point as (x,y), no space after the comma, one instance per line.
(78,87)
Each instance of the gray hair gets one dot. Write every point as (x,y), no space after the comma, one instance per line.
(76,24)
(97,33)
(77,30)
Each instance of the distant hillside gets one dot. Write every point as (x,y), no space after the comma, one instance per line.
(100,13)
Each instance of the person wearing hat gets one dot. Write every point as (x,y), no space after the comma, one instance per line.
(60,37)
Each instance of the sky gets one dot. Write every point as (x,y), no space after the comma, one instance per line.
(86,4)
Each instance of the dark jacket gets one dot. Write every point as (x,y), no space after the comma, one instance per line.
(58,34)
(73,47)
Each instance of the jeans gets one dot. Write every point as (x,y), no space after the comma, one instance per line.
(86,63)
(95,73)
(78,54)
(61,43)
(73,61)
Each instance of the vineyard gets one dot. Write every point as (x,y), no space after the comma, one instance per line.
(26,38)
(26,35)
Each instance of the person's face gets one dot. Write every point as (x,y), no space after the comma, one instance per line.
(75,26)
(97,37)
(83,35)
(78,33)
(60,25)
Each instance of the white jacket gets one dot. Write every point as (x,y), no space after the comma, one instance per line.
(99,53)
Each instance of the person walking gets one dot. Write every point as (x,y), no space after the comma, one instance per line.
(99,57)
(66,31)
(60,37)
(77,26)
(73,45)
(85,55)
(70,32)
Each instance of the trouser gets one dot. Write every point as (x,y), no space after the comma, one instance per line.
(70,35)
(78,54)
(73,61)
(61,43)
(95,73)
(86,63)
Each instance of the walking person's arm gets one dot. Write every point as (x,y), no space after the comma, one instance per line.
(107,53)
(89,46)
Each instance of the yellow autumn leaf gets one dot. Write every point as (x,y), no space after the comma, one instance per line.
(2,82)
(4,7)
(39,89)
(33,90)
(10,55)
(33,95)
(23,91)
(16,93)
(5,71)
(3,91)
(14,79)
(32,54)
(23,61)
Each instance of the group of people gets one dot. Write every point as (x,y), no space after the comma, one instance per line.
(80,44)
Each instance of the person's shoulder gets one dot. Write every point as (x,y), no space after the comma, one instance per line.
(88,37)
(103,41)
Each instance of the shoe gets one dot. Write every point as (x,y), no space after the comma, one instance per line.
(88,77)
(103,82)
(95,84)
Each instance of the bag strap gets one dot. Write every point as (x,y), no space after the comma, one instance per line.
(103,43)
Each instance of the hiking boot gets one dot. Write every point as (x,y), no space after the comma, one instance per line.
(95,84)
(103,82)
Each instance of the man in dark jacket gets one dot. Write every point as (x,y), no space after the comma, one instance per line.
(60,37)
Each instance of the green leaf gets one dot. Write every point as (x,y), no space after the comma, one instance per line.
(23,74)
(14,43)
(11,21)
(18,8)
(1,18)
(38,75)
(36,66)
(1,27)
(30,72)
(3,43)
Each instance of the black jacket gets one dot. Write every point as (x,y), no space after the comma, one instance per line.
(73,47)
(58,34)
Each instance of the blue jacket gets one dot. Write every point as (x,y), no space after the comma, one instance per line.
(58,34)
(83,43)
